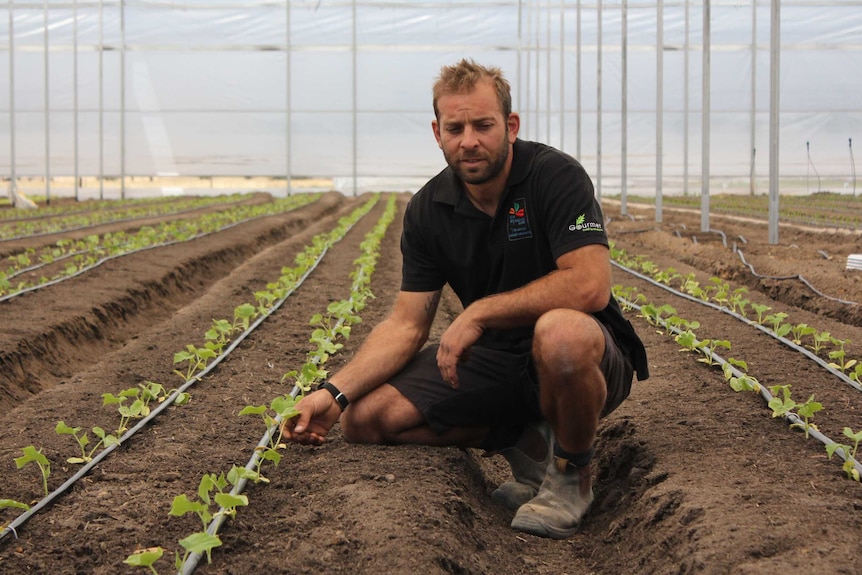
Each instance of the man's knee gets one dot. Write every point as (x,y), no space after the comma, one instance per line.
(567,337)
(379,417)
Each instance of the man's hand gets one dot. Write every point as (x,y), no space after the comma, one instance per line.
(318,412)
(455,346)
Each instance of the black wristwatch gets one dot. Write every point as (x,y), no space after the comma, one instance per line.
(340,398)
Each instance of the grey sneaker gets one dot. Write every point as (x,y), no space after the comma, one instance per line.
(564,497)
(528,472)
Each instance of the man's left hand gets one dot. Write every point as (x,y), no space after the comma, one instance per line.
(455,346)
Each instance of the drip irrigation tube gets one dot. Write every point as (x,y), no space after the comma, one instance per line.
(21,519)
(751,267)
(825,365)
(228,206)
(109,258)
(791,418)
(796,277)
(194,558)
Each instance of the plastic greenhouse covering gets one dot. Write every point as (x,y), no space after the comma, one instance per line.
(342,90)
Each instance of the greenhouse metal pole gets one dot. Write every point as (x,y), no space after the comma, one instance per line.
(548,78)
(599,100)
(353,52)
(659,108)
(287,111)
(624,106)
(578,84)
(519,50)
(529,70)
(47,113)
(704,164)
(752,186)
(685,105)
(101,100)
(774,64)
(122,99)
(75,89)
(12,183)
(562,73)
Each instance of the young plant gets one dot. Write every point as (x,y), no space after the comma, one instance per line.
(708,347)
(849,453)
(744,382)
(31,455)
(820,339)
(145,558)
(196,357)
(760,309)
(799,331)
(105,439)
(839,355)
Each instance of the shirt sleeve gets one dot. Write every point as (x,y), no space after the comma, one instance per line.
(419,270)
(573,215)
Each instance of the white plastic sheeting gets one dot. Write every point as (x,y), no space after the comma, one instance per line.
(200,87)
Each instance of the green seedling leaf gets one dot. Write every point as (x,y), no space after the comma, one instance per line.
(145,558)
(200,542)
(182,505)
(230,501)
(32,455)
(63,429)
(253,410)
(4,503)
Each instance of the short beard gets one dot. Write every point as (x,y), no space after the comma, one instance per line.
(486,175)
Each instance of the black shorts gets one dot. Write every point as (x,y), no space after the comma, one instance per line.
(497,389)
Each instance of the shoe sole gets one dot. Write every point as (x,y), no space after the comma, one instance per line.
(534,526)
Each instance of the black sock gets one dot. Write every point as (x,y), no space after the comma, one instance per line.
(576,459)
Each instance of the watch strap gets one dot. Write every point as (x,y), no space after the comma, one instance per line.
(340,398)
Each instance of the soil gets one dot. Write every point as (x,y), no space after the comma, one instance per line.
(690,477)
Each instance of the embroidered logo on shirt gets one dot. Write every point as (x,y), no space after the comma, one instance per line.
(518,225)
(581,225)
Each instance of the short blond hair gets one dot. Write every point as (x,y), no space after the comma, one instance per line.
(464,76)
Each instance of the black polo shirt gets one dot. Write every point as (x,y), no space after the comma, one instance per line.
(548,209)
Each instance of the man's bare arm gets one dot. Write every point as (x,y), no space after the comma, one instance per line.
(581,282)
(390,345)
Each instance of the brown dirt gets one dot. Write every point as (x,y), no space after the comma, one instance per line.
(690,476)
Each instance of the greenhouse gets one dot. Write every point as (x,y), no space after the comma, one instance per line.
(286,288)
(132,90)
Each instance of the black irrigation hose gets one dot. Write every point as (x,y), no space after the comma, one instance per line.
(751,267)
(220,517)
(21,519)
(109,258)
(791,418)
(796,277)
(228,206)
(837,373)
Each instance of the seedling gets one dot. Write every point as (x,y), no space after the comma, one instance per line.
(775,320)
(197,358)
(744,382)
(839,355)
(242,316)
(807,411)
(708,347)
(819,340)
(34,456)
(105,439)
(145,558)
(849,453)
(760,309)
(799,331)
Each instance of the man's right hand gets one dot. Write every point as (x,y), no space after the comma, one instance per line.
(318,412)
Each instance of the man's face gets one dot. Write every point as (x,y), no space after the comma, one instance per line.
(473,134)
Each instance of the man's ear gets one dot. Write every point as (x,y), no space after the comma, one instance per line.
(436,128)
(514,125)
